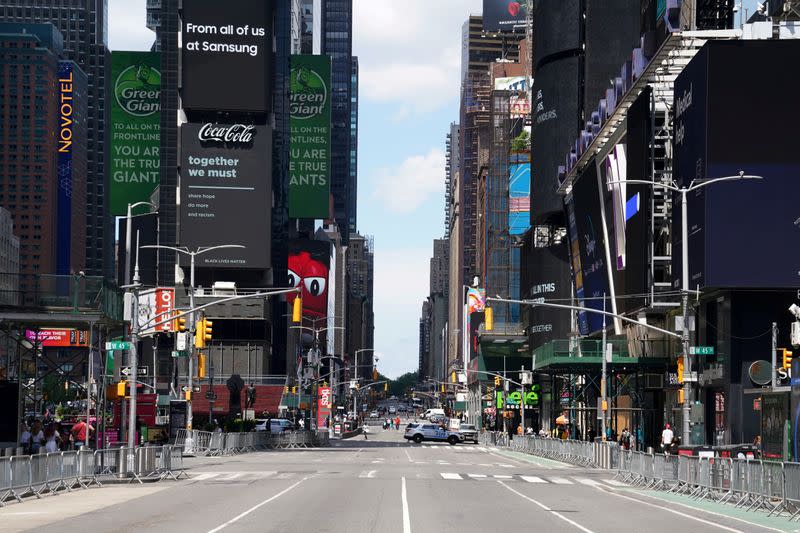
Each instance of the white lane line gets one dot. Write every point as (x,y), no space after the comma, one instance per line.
(410,460)
(450,475)
(546,508)
(406,519)
(477,476)
(255,507)
(533,479)
(481,448)
(440,462)
(371,474)
(285,475)
(502,476)
(501,465)
(231,476)
(560,481)
(615,483)
(690,517)
(484,464)
(201,477)
(587,481)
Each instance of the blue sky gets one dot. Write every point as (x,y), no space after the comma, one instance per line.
(410,62)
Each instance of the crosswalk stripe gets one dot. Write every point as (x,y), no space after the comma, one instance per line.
(587,481)
(615,483)
(450,475)
(201,477)
(285,475)
(533,479)
(560,481)
(477,476)
(502,476)
(231,477)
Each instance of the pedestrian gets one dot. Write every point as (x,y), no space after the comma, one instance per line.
(519,429)
(397,422)
(81,433)
(24,437)
(365,431)
(666,438)
(52,438)
(37,437)
(625,439)
(757,446)
(591,435)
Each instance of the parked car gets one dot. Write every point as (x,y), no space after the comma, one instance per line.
(432,432)
(392,410)
(374,414)
(261,424)
(469,433)
(279,425)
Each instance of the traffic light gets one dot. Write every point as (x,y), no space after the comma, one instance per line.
(374,374)
(453,377)
(180,324)
(680,369)
(294,390)
(121,389)
(286,390)
(442,387)
(385,387)
(187,395)
(488,318)
(297,310)
(680,396)
(787,358)
(497,381)
(203,333)
(201,365)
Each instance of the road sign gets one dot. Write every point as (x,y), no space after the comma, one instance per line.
(180,343)
(118,345)
(140,370)
(177,353)
(210,395)
(701,350)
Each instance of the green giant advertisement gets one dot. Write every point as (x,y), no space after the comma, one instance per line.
(309,162)
(135,128)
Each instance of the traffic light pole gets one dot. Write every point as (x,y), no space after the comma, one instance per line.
(190,344)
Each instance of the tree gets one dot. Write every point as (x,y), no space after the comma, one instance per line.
(521,143)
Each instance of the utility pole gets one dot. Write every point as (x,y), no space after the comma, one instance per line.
(603,401)
(523,380)
(132,360)
(774,355)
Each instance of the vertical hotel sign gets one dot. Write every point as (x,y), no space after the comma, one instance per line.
(66,130)
(310,122)
(135,128)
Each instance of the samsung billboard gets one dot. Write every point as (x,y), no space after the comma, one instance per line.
(226,192)
(226,55)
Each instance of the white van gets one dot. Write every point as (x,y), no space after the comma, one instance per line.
(429,412)
(279,425)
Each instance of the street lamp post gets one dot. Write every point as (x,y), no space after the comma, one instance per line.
(192,317)
(683,191)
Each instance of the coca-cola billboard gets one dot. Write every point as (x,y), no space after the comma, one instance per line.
(226,192)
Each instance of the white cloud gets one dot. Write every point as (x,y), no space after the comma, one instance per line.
(404,188)
(409,52)
(401,284)
(127,25)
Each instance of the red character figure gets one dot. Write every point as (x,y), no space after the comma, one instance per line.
(313,276)
(513,8)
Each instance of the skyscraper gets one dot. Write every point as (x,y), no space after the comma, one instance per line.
(84,27)
(337,42)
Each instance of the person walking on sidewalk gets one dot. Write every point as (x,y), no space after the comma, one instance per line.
(365,431)
(397,423)
(666,438)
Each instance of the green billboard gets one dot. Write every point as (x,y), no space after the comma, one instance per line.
(135,128)
(310,122)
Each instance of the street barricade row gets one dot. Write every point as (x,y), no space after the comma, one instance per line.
(751,484)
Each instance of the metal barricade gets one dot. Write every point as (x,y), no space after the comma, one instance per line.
(146,463)
(70,474)
(216,444)
(20,475)
(38,469)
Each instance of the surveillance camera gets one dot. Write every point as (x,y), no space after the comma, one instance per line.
(795,310)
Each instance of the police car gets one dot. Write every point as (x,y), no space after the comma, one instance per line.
(432,432)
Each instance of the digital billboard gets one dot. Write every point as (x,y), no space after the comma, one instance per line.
(309,267)
(556,109)
(226,55)
(504,15)
(225,189)
(58,338)
(558,28)
(761,141)
(519,192)
(135,129)
(310,139)
(546,276)
(591,244)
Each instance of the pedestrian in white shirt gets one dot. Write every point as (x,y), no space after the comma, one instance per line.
(666,438)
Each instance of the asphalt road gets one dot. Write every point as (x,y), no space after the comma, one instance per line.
(383,484)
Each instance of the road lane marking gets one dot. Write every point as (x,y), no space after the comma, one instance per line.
(201,477)
(502,476)
(690,517)
(406,519)
(450,475)
(231,476)
(501,465)
(533,479)
(410,460)
(615,483)
(255,507)
(477,476)
(587,481)
(560,481)
(546,508)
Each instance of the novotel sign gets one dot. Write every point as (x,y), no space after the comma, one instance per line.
(226,133)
